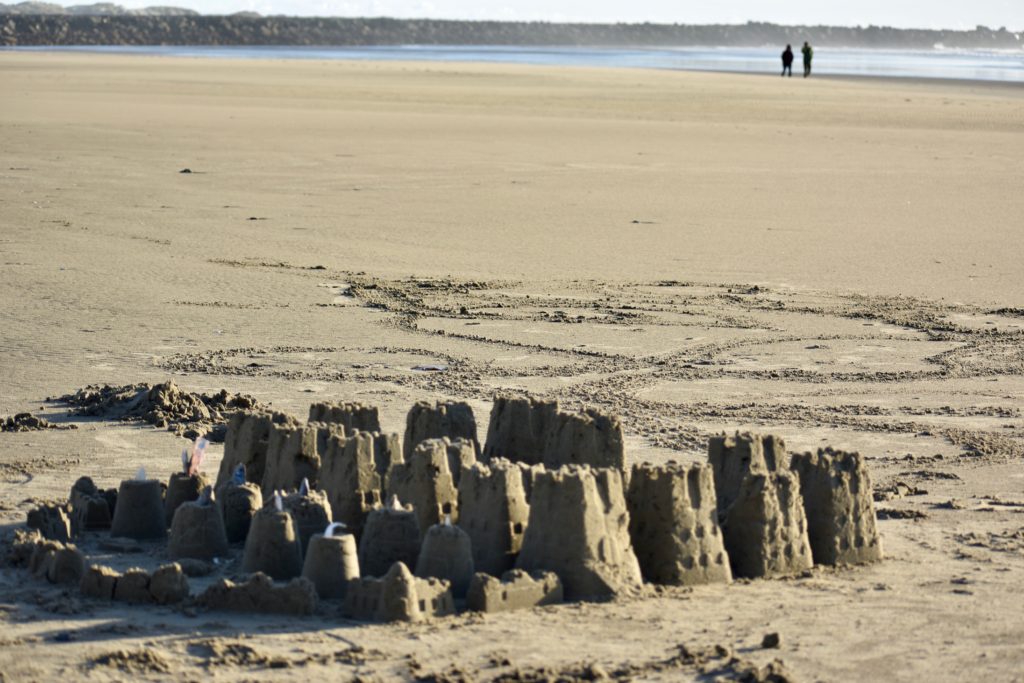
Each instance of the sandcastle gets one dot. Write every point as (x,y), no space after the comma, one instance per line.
(446,554)
(434,421)
(185,486)
(538,432)
(673,524)
(352,474)
(197,530)
(246,442)
(515,589)
(839,506)
(352,416)
(398,596)
(575,531)
(272,546)
(494,513)
(765,528)
(332,561)
(392,534)
(579,529)
(140,510)
(310,510)
(425,481)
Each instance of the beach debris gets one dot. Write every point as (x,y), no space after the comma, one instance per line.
(332,527)
(140,474)
(238,476)
(278,502)
(430,368)
(304,487)
(192,459)
(185,170)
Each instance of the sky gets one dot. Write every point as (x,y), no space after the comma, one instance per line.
(952,14)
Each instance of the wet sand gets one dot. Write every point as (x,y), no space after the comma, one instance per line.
(836,261)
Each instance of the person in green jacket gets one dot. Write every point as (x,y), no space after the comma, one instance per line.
(808,53)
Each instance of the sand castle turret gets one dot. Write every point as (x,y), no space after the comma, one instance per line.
(839,505)
(434,421)
(425,482)
(765,528)
(352,471)
(311,511)
(239,501)
(140,510)
(733,457)
(673,524)
(197,530)
(447,554)
(332,561)
(579,529)
(90,510)
(293,454)
(538,432)
(519,428)
(351,415)
(186,485)
(272,546)
(493,512)
(391,534)
(245,443)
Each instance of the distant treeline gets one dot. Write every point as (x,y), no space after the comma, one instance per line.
(244,30)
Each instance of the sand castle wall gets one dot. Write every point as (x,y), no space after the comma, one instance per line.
(441,419)
(579,529)
(494,513)
(765,528)
(673,524)
(425,482)
(246,441)
(538,432)
(351,415)
(839,504)
(515,589)
(259,595)
(398,596)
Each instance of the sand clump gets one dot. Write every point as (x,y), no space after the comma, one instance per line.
(163,405)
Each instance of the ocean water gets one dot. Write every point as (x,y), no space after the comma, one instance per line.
(974,65)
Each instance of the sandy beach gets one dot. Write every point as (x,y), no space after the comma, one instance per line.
(836,261)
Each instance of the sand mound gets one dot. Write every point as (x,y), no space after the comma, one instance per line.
(162,405)
(27,422)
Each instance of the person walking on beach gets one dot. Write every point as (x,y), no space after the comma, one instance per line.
(808,53)
(787,60)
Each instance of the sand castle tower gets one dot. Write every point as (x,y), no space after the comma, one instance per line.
(391,534)
(579,529)
(310,510)
(272,546)
(352,416)
(352,471)
(140,509)
(197,530)
(332,561)
(90,510)
(518,429)
(239,501)
(839,505)
(434,421)
(398,596)
(461,454)
(425,481)
(493,512)
(447,554)
(293,454)
(765,528)
(186,485)
(673,523)
(246,441)
(732,458)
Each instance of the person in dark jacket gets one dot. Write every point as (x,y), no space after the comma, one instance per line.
(808,53)
(787,60)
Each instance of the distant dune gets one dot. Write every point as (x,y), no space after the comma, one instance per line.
(34,23)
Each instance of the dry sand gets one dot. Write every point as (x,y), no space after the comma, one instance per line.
(836,261)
